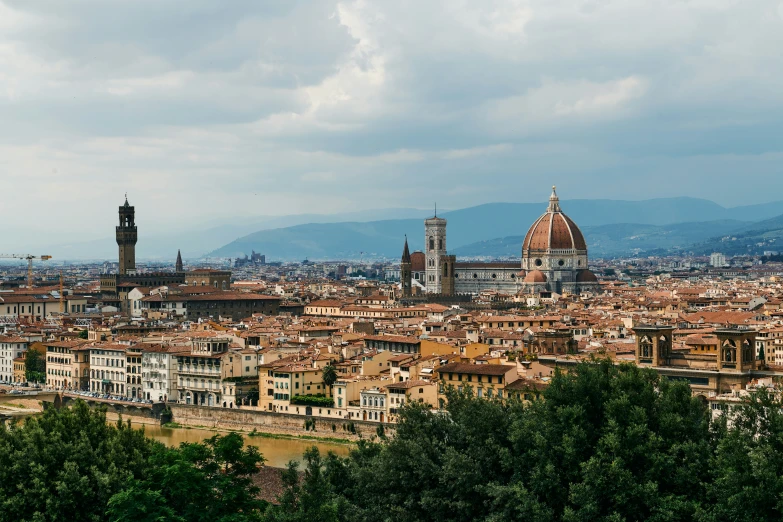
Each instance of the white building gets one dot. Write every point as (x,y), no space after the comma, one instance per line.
(159,372)
(198,372)
(108,368)
(373,405)
(717,259)
(10,349)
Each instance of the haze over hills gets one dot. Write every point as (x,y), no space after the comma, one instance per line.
(629,225)
(494,230)
(203,238)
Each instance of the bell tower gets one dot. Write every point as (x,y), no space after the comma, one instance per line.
(653,344)
(406,274)
(435,249)
(126,239)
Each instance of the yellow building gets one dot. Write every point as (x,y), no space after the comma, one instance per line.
(486,380)
(400,393)
(19,370)
(467,353)
(60,371)
(432,348)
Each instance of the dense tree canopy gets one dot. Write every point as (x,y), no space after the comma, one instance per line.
(70,464)
(34,366)
(611,443)
(607,443)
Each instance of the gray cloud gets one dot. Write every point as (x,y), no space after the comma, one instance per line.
(227,110)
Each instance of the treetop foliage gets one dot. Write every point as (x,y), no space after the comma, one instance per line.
(607,443)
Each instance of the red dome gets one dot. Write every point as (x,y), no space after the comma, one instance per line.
(535,276)
(417,261)
(554,231)
(586,276)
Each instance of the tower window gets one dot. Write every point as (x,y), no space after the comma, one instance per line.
(561,262)
(432,243)
(539,262)
(440,244)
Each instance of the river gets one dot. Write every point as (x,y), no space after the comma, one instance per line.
(277,452)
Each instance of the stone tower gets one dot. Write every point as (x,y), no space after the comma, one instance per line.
(178,268)
(653,344)
(406,271)
(447,274)
(126,239)
(434,250)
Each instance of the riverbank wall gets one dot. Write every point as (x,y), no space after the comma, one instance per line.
(271,422)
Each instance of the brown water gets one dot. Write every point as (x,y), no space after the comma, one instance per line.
(277,452)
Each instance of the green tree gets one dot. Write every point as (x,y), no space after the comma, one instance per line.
(309,497)
(252,395)
(329,376)
(67,464)
(608,442)
(747,464)
(34,366)
(84,334)
(210,481)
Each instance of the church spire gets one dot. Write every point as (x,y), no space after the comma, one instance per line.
(554,201)
(406,254)
(179,262)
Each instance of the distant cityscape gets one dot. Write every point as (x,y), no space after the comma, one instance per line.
(247,333)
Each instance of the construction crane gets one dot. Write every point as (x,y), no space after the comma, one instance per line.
(29,263)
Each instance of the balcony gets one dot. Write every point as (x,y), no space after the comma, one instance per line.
(200,370)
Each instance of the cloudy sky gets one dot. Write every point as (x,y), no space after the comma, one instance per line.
(206,110)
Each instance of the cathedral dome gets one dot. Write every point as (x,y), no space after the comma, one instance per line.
(586,276)
(554,231)
(418,260)
(535,276)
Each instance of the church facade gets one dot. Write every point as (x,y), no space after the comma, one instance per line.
(553,260)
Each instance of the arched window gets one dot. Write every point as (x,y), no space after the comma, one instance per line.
(645,347)
(729,352)
(432,243)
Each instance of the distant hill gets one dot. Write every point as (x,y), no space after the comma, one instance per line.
(700,218)
(203,238)
(613,240)
(750,239)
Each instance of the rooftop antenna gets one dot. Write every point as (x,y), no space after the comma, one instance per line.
(436,209)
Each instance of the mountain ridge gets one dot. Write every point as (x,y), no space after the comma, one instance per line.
(383,238)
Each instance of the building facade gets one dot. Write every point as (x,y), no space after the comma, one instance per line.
(159,372)
(198,372)
(108,369)
(10,348)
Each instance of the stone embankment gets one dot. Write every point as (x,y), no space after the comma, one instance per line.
(269,422)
